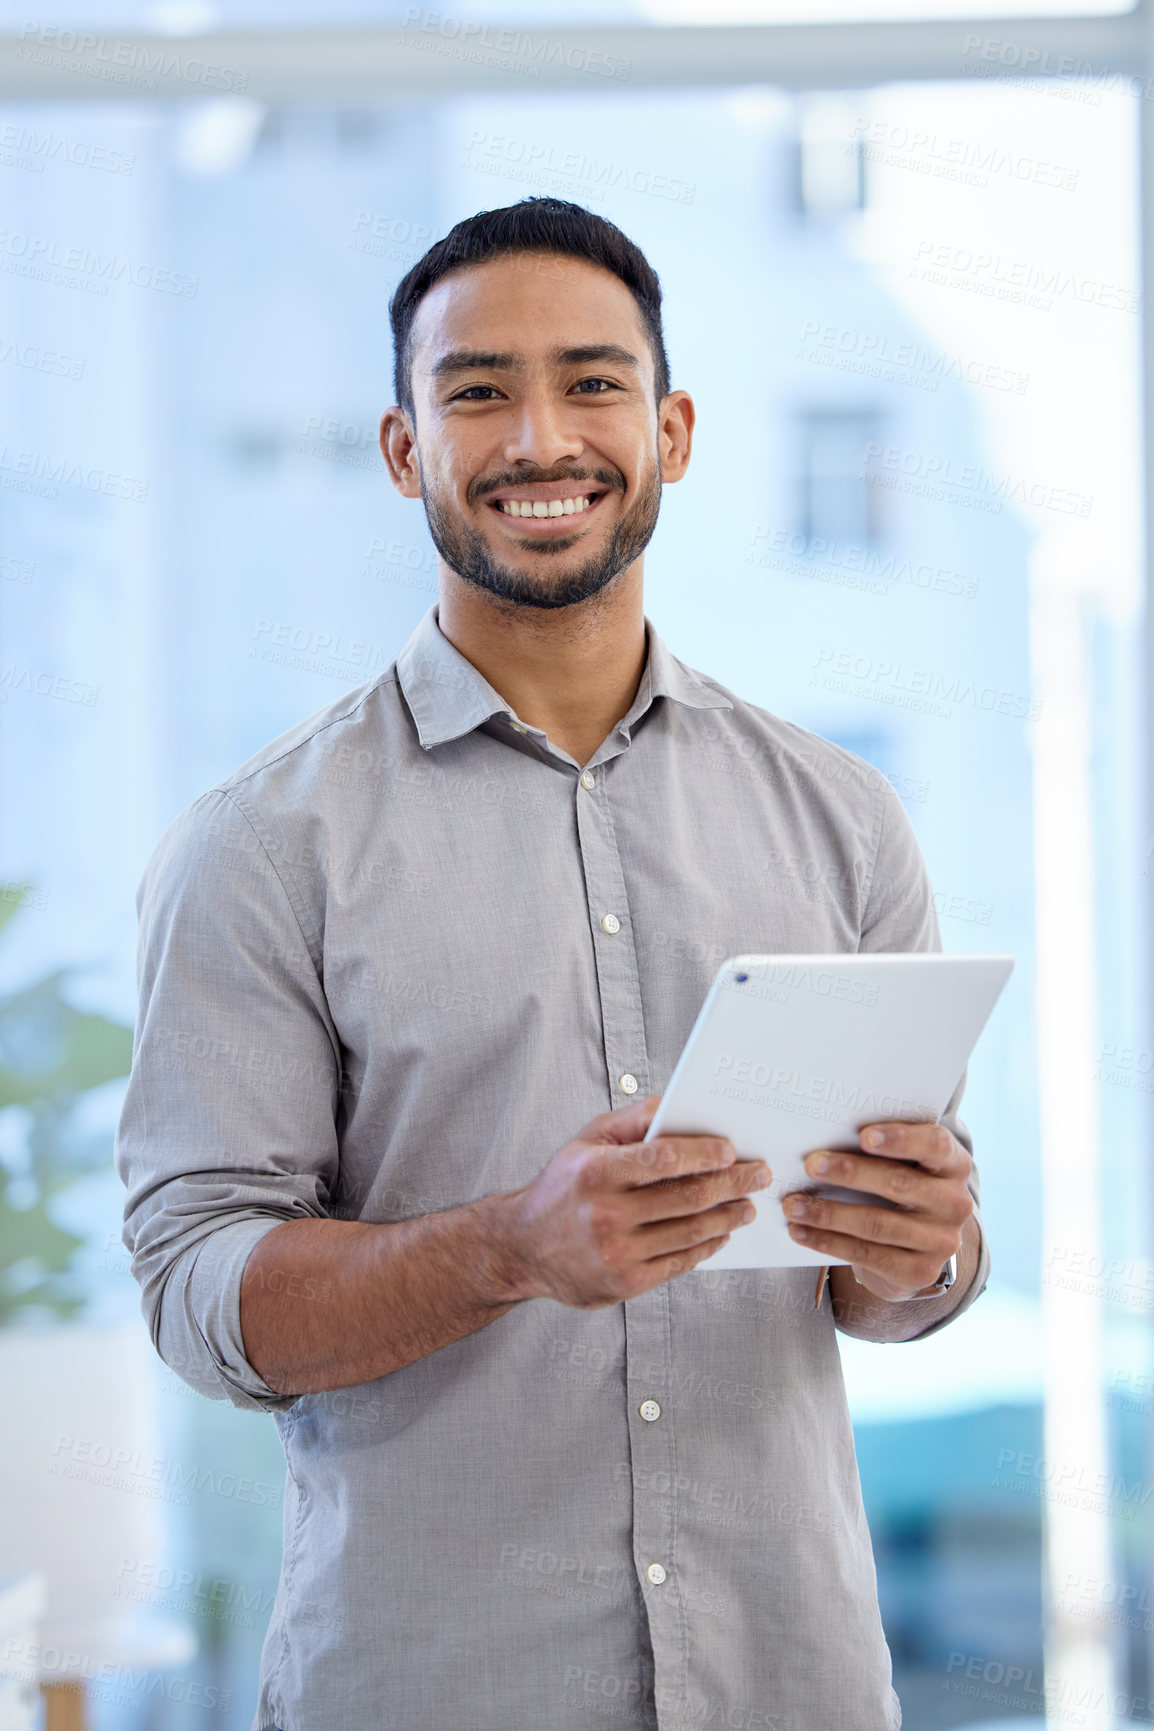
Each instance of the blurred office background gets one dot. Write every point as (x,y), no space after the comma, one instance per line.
(902,256)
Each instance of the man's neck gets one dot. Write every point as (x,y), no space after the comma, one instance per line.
(573,671)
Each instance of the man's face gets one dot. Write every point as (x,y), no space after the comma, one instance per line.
(537,432)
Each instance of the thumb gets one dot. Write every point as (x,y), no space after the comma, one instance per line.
(629,1123)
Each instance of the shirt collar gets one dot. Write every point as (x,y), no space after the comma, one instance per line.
(448,697)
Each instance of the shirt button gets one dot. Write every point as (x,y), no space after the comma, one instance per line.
(610,923)
(519,726)
(649,1409)
(588,779)
(655,1573)
(628,1083)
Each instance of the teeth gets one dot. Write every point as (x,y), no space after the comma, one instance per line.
(544,507)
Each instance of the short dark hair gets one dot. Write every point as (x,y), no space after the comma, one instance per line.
(533,225)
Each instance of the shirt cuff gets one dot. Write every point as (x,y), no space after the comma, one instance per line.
(198,1334)
(975,1289)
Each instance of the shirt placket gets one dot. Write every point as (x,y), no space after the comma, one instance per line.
(648,1351)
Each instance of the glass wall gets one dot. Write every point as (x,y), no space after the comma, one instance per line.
(909,319)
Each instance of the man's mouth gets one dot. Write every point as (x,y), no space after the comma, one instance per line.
(562,499)
(546,507)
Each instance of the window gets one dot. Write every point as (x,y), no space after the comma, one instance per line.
(939,567)
(838,496)
(828,158)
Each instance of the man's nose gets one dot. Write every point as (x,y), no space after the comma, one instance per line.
(543,434)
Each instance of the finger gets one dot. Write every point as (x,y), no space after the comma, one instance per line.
(889,1226)
(933,1146)
(685,1238)
(905,1270)
(665,1158)
(690,1259)
(906,1184)
(693,1195)
(624,1123)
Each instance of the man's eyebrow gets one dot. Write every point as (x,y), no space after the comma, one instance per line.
(476,360)
(594,352)
(492,361)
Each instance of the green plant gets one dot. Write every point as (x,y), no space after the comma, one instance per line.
(51,1055)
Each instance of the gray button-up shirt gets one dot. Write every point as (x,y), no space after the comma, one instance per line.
(379,978)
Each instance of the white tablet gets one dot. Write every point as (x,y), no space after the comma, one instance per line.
(793,1053)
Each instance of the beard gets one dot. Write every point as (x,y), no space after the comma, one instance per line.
(467,553)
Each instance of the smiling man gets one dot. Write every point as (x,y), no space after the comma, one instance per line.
(412,981)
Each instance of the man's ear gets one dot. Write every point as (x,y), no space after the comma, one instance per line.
(675,420)
(399,449)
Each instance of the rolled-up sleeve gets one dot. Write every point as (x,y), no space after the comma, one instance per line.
(900,915)
(229,1121)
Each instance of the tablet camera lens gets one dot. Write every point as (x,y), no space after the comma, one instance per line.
(741,978)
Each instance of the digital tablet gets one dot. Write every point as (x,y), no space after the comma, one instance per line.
(793,1053)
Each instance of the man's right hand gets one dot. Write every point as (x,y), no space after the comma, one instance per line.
(612,1216)
(328,1304)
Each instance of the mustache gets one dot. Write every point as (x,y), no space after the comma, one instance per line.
(612,478)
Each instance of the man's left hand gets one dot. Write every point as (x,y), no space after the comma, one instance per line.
(894,1252)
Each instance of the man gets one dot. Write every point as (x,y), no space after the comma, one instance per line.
(412,982)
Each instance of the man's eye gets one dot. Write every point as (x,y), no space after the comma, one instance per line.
(463,396)
(598,384)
